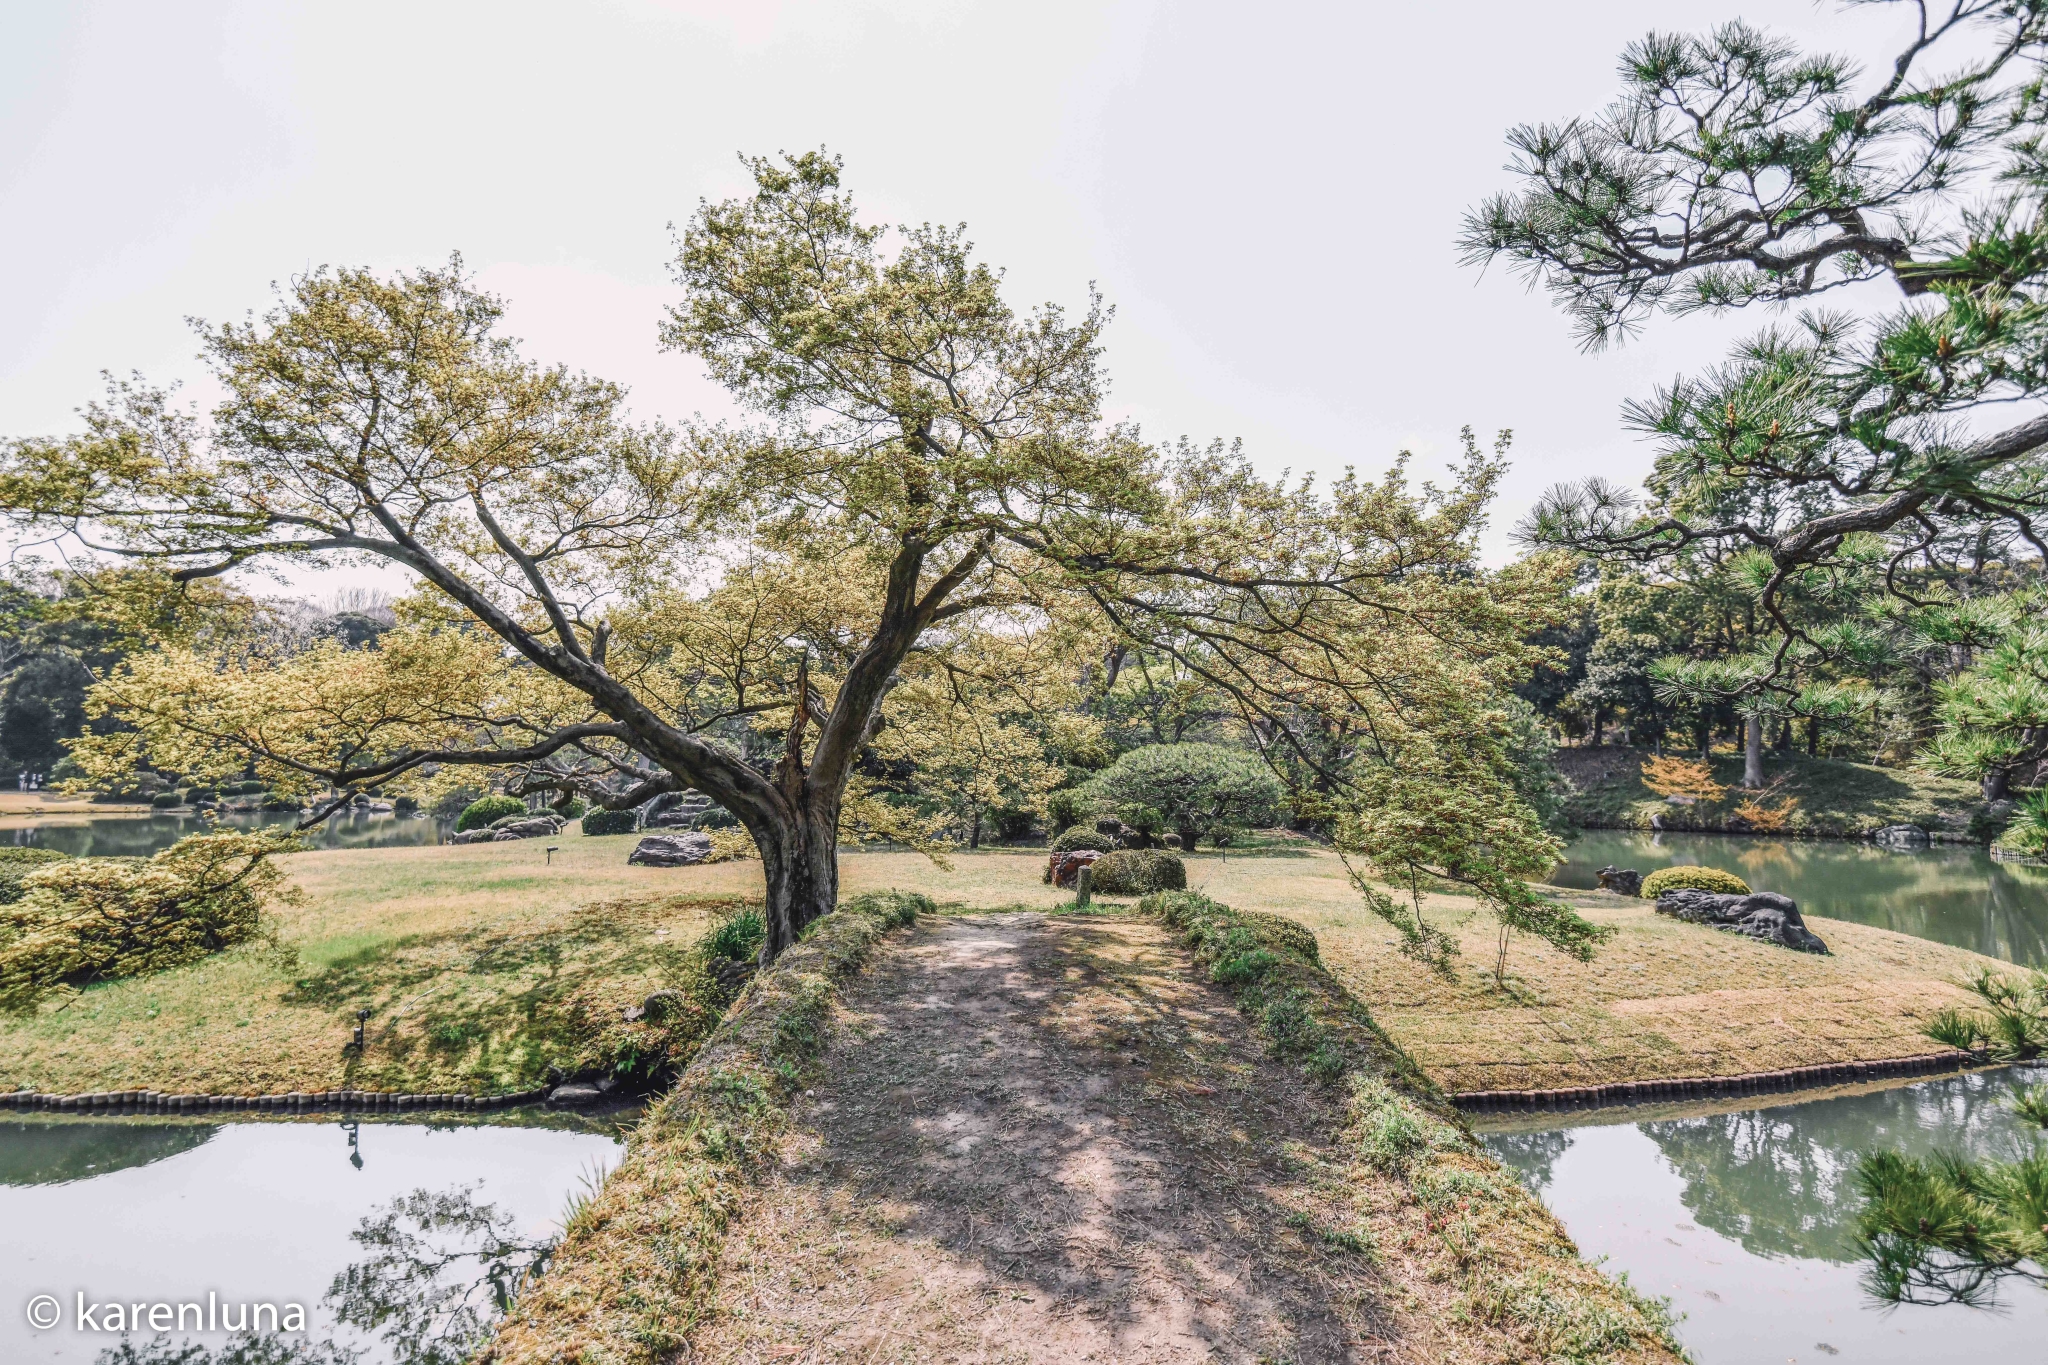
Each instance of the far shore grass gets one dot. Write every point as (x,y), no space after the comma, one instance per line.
(480,963)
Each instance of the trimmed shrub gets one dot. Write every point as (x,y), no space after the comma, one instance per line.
(1139,872)
(1195,790)
(405,805)
(1693,879)
(488,810)
(165,800)
(81,920)
(573,811)
(17,863)
(609,822)
(1076,839)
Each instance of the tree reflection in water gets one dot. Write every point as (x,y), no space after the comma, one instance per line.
(442,1270)
(1531,1156)
(1780,1181)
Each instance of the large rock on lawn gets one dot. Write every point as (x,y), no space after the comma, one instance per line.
(1761,914)
(671,850)
(1622,881)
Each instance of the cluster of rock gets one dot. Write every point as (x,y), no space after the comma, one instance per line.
(511,827)
(1622,881)
(678,810)
(1762,915)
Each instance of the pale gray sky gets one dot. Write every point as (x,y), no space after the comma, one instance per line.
(1267,193)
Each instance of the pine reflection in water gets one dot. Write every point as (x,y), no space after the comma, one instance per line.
(441,1270)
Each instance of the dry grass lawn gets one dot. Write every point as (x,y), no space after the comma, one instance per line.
(470,956)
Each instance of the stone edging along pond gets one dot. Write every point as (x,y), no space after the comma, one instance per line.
(113,1102)
(1714,1087)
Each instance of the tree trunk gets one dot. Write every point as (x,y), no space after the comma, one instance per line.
(1753,751)
(1996,784)
(974,830)
(1813,736)
(1188,835)
(801,864)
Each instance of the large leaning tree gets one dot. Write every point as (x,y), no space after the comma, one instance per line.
(922,482)
(1734,170)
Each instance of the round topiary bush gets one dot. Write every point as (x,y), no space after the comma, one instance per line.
(1077,838)
(480,813)
(166,800)
(609,822)
(1693,879)
(1138,872)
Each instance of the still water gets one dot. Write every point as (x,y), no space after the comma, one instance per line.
(1744,1220)
(1950,893)
(117,836)
(351,1222)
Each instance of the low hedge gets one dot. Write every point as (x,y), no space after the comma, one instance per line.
(1693,879)
(1138,872)
(610,821)
(490,808)
(1077,839)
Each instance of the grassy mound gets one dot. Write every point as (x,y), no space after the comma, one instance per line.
(634,1266)
(1411,1153)
(1832,798)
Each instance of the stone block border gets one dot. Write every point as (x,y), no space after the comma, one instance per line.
(1713,1087)
(120,1102)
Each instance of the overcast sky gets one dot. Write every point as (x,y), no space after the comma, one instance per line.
(1269,194)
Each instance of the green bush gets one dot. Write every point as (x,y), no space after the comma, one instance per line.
(165,800)
(81,920)
(249,788)
(1077,838)
(2028,832)
(610,822)
(1195,790)
(1138,872)
(490,808)
(1064,810)
(198,794)
(572,811)
(1693,879)
(405,805)
(739,937)
(17,863)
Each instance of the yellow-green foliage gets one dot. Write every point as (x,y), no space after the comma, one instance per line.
(15,866)
(636,1265)
(1516,1269)
(91,919)
(1694,879)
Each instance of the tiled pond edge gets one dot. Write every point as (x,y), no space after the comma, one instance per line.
(1713,1087)
(113,1102)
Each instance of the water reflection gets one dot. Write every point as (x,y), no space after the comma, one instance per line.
(45,1154)
(138,836)
(1949,893)
(1745,1219)
(403,1242)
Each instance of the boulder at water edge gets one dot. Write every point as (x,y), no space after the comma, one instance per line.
(1761,914)
(671,850)
(1622,881)
(1901,836)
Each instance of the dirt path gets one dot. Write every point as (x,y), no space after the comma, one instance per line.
(1041,1138)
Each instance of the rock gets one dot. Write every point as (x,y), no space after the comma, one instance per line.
(663,1006)
(1657,822)
(1622,881)
(473,836)
(1681,799)
(538,827)
(1901,836)
(574,1094)
(2001,809)
(1761,914)
(671,850)
(1067,866)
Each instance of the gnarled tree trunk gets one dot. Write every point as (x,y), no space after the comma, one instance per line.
(800,859)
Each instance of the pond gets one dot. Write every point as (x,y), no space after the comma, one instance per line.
(350,1222)
(115,836)
(1950,893)
(1744,1219)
